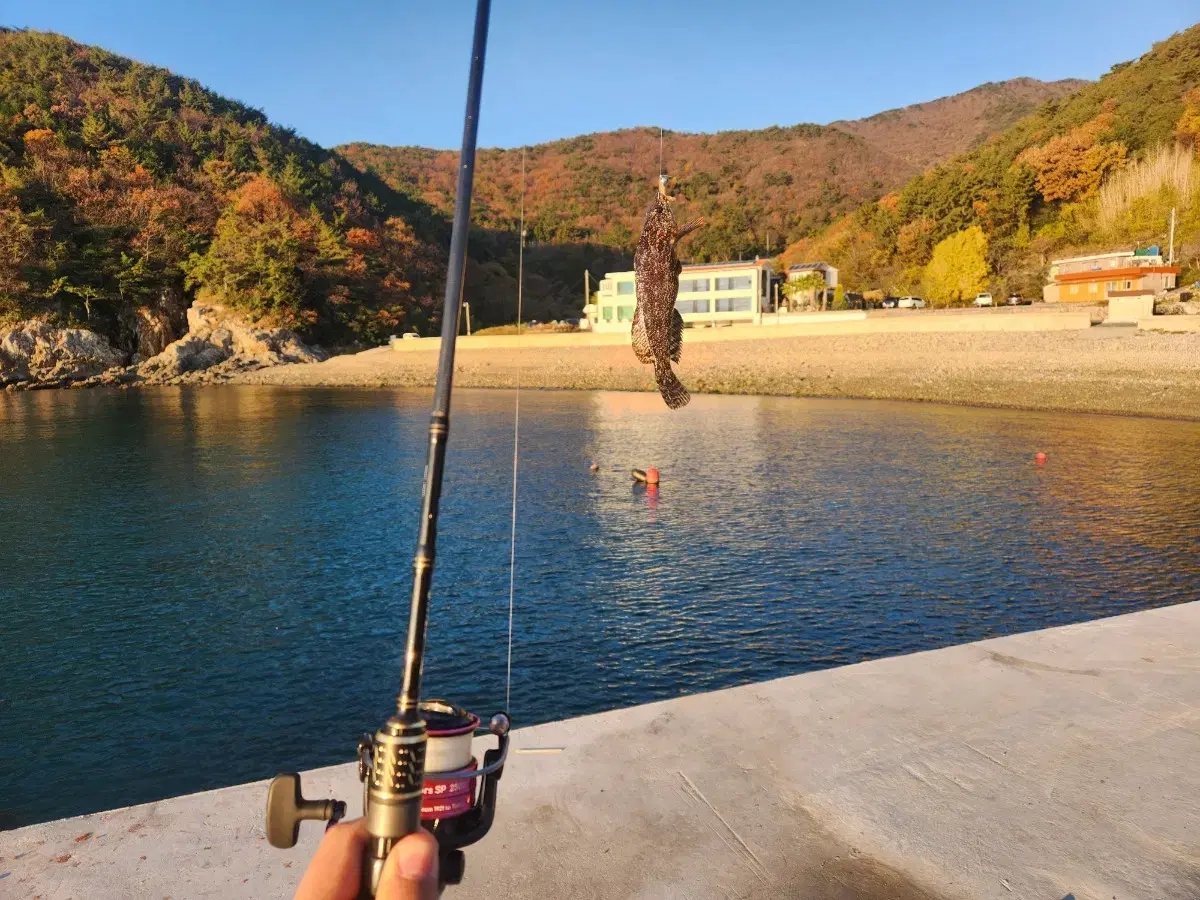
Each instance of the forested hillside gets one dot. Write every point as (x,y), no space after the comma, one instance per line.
(126,190)
(775,184)
(1099,170)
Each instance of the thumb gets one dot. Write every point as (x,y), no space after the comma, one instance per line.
(411,869)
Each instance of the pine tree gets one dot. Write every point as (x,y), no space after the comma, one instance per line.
(96,131)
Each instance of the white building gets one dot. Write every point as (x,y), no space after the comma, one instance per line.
(709,294)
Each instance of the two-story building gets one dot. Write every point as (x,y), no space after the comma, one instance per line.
(709,294)
(1092,279)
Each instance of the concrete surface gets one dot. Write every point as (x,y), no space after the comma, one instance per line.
(1173,324)
(1129,310)
(793,325)
(1055,764)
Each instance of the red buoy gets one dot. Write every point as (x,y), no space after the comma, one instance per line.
(652,475)
(1041,458)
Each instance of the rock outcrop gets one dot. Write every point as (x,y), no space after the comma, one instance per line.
(37,355)
(1177,307)
(220,344)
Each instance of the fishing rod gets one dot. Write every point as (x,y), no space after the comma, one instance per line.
(433,737)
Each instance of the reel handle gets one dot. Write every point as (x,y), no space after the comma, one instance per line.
(287,808)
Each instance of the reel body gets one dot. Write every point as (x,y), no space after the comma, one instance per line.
(415,774)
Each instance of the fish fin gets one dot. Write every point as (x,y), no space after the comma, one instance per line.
(641,340)
(675,342)
(688,228)
(673,392)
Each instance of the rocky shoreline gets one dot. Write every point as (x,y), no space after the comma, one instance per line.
(218,347)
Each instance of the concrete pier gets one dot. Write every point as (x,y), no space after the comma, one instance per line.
(1060,763)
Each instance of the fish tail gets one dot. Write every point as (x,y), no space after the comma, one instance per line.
(674,394)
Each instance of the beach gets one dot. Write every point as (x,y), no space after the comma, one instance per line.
(1104,369)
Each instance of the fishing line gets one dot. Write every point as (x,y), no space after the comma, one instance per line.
(512,550)
(661,170)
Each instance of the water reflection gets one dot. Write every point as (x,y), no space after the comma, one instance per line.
(234,559)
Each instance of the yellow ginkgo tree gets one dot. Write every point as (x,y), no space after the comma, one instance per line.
(958,268)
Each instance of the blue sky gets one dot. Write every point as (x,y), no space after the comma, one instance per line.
(395,72)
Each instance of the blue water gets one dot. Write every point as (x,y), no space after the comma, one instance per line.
(202,586)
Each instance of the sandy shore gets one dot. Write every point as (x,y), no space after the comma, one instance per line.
(1103,369)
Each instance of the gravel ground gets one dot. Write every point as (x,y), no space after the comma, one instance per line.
(1103,369)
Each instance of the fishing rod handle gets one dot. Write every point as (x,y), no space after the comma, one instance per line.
(392,799)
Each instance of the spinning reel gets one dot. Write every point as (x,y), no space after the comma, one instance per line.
(456,810)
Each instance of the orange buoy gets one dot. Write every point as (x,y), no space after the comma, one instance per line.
(652,475)
(1040,458)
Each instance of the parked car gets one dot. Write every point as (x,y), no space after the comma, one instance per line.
(890,302)
(910,303)
(984,299)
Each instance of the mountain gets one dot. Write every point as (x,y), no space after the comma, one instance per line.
(775,184)
(927,133)
(1098,170)
(125,191)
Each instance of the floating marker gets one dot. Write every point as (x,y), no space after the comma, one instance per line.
(1040,458)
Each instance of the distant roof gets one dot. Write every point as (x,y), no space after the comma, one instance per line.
(728,265)
(806,267)
(1118,254)
(687,267)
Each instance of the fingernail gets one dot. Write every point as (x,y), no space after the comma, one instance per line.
(418,862)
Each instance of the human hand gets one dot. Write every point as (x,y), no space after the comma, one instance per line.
(410,872)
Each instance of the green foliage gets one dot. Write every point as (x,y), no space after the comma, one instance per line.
(805,284)
(839,297)
(124,187)
(958,269)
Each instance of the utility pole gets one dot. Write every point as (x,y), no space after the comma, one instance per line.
(1171,248)
(587,287)
(467,311)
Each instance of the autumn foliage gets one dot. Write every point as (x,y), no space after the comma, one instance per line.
(758,190)
(958,268)
(1072,166)
(125,190)
(1187,129)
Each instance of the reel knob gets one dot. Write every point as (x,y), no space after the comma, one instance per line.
(287,808)
(451,867)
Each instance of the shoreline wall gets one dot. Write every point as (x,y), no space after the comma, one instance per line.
(795,325)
